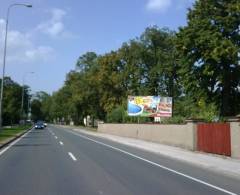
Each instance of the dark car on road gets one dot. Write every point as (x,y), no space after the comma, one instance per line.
(39,125)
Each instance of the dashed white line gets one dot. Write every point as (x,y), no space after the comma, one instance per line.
(61,143)
(72,156)
(158,165)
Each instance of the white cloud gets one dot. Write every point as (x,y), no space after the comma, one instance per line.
(164,5)
(159,5)
(21,46)
(54,26)
(40,53)
(21,49)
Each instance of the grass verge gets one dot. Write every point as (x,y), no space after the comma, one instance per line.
(8,133)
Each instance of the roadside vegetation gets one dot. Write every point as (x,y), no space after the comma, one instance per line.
(11,132)
(12,99)
(198,66)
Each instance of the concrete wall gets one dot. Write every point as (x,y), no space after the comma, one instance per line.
(235,139)
(184,136)
(177,135)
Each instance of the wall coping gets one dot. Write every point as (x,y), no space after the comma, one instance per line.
(234,119)
(143,124)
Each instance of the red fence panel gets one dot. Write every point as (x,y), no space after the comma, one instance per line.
(214,138)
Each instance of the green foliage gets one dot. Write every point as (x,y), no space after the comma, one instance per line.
(174,120)
(189,107)
(197,66)
(208,49)
(12,132)
(100,84)
(208,112)
(36,110)
(12,99)
(117,115)
(41,106)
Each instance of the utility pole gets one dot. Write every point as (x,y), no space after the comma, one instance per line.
(4,55)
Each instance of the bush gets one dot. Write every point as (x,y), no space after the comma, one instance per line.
(174,120)
(117,115)
(188,108)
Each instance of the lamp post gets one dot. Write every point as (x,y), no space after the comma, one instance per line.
(5,52)
(23,84)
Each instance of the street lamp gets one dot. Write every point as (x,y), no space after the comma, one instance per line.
(5,52)
(24,76)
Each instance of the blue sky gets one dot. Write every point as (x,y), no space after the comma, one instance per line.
(48,38)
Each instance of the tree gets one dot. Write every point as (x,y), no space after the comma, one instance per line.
(133,75)
(46,103)
(111,83)
(208,47)
(86,61)
(101,84)
(41,106)
(36,112)
(88,83)
(12,99)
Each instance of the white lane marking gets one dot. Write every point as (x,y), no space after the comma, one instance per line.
(56,137)
(72,156)
(158,165)
(61,143)
(14,142)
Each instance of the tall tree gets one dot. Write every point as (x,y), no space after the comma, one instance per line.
(12,99)
(159,60)
(111,83)
(36,112)
(209,48)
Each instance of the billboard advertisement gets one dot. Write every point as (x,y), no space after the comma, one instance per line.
(149,106)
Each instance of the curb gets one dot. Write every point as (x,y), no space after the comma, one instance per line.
(14,138)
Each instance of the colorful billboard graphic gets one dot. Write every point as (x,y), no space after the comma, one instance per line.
(149,106)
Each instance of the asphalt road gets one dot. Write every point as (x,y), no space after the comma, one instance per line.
(60,161)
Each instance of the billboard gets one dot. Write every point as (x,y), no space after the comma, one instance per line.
(149,106)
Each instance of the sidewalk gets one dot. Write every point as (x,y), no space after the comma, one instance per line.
(216,163)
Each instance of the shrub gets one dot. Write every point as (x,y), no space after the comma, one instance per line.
(117,115)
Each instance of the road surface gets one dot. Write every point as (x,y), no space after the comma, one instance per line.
(60,161)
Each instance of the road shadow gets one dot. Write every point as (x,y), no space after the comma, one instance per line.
(35,131)
(35,137)
(30,145)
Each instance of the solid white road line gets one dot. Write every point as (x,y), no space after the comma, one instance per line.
(61,143)
(156,164)
(72,156)
(14,142)
(56,137)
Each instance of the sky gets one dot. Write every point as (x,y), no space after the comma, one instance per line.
(48,38)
